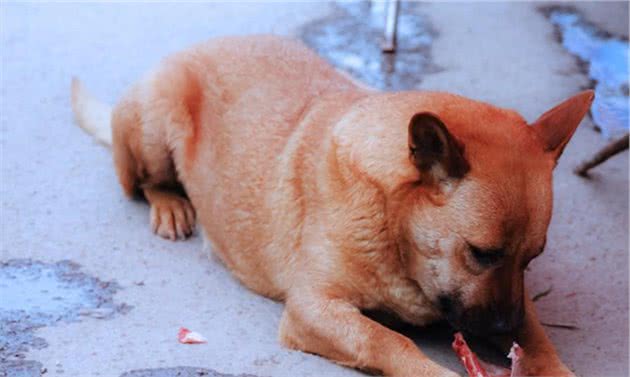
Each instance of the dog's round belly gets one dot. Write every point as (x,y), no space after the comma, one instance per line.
(236,239)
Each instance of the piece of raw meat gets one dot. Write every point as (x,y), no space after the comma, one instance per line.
(478,368)
(186,336)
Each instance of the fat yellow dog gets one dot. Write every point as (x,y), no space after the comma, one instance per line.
(337,199)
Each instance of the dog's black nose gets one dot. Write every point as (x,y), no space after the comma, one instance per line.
(488,321)
(451,307)
(446,304)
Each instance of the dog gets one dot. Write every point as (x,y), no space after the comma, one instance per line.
(337,199)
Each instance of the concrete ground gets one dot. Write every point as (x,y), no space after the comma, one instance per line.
(61,201)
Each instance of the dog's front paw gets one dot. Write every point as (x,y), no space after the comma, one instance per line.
(429,369)
(557,371)
(448,373)
(552,367)
(442,372)
(172,216)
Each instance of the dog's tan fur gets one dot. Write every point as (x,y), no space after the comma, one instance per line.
(305,184)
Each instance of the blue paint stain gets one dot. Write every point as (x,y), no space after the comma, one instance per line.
(350,39)
(38,291)
(35,294)
(608,66)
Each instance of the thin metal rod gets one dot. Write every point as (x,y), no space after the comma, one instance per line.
(391,26)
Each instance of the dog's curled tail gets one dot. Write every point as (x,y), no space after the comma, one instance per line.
(90,114)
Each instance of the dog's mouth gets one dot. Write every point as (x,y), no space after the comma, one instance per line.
(452,310)
(485,323)
(478,321)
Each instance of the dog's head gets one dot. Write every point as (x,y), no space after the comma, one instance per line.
(479,211)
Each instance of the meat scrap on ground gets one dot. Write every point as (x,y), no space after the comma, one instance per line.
(186,336)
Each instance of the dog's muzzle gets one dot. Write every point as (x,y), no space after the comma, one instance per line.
(480,320)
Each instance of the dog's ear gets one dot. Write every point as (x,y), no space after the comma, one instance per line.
(555,127)
(434,151)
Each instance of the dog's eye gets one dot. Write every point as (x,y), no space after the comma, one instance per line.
(487,257)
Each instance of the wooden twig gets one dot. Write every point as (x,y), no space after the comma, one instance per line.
(560,326)
(607,152)
(542,294)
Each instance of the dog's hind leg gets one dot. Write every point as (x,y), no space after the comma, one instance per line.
(145,166)
(142,160)
(172,215)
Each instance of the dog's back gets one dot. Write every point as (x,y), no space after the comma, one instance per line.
(229,119)
(255,124)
